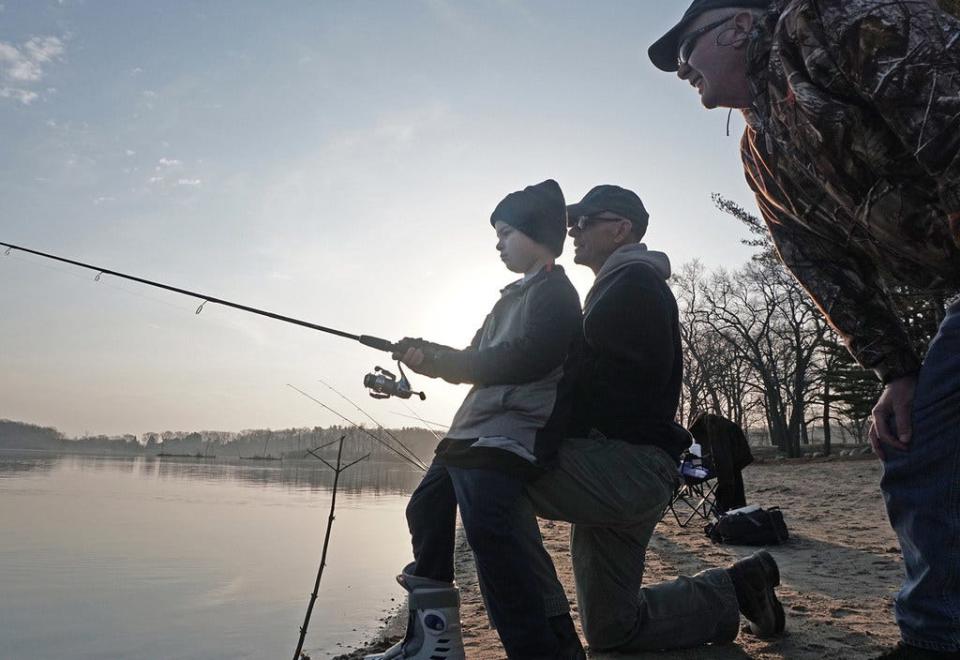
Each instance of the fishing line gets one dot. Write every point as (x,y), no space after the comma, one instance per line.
(370,417)
(349,421)
(432,432)
(112,285)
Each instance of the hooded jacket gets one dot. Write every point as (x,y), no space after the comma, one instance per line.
(521,365)
(629,387)
(853,150)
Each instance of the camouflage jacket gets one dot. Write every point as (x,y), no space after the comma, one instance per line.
(853,150)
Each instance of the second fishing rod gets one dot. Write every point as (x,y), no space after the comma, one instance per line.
(381,382)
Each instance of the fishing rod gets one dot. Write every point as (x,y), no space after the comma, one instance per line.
(416,416)
(366,340)
(382,383)
(417,464)
(370,417)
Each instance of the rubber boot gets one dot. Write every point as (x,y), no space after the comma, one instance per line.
(433,625)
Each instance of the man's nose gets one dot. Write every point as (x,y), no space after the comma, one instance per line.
(683,72)
(573,231)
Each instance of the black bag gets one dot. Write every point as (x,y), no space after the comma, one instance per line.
(759,527)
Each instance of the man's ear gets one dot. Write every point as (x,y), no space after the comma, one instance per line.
(624,232)
(745,29)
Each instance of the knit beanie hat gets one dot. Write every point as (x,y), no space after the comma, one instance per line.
(539,211)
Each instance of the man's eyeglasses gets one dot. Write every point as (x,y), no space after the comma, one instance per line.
(584,222)
(689,41)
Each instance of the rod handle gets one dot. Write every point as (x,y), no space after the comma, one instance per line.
(377,343)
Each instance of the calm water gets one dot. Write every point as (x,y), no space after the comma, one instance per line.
(154,559)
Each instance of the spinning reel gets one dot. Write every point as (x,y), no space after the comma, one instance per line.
(384,384)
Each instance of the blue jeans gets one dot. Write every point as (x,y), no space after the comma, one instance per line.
(488,500)
(921,487)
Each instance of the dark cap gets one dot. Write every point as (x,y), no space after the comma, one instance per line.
(539,211)
(663,53)
(614,199)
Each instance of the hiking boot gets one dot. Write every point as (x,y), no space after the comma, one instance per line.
(906,652)
(570,646)
(754,579)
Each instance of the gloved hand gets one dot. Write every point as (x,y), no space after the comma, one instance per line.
(420,355)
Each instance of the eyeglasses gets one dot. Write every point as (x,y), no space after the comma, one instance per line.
(584,222)
(689,41)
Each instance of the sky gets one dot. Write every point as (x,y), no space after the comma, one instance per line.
(331,161)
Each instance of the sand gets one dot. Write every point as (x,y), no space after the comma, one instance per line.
(839,570)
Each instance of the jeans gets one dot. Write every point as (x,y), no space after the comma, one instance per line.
(488,500)
(921,487)
(615,493)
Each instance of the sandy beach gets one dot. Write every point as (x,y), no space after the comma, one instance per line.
(839,570)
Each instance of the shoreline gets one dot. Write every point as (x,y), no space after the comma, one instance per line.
(839,570)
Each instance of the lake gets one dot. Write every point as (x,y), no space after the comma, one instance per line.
(160,558)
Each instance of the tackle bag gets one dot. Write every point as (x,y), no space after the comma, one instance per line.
(751,525)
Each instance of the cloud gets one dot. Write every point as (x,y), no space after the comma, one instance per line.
(24,96)
(24,65)
(189,182)
(165,163)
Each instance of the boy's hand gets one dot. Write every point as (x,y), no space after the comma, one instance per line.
(417,354)
(413,357)
(404,347)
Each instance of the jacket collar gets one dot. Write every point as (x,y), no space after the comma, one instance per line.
(526,282)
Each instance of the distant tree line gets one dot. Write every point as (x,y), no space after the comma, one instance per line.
(758,351)
(290,443)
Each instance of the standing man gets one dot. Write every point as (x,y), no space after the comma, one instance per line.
(852,147)
(615,477)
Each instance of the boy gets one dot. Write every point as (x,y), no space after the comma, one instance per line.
(509,424)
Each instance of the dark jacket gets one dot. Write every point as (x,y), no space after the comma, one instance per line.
(521,375)
(629,387)
(853,151)
(724,442)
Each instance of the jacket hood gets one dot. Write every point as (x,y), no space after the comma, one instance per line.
(758,62)
(633,254)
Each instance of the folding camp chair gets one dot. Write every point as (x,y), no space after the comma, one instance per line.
(696,496)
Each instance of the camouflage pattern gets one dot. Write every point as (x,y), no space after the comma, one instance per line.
(853,150)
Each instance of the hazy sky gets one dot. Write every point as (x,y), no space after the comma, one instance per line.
(334,161)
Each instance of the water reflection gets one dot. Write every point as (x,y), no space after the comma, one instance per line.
(222,552)
(366,477)
(17,464)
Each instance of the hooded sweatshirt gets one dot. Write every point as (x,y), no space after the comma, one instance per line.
(629,387)
(521,364)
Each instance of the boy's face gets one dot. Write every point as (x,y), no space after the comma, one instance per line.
(518,251)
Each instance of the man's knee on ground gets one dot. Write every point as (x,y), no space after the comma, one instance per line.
(609,635)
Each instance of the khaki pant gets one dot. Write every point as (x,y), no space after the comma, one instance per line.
(615,493)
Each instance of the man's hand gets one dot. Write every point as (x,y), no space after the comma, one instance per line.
(895,405)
